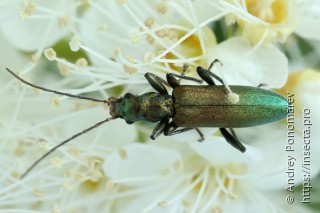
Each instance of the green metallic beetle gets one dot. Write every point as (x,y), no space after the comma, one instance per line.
(192,106)
(189,107)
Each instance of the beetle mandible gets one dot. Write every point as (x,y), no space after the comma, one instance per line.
(189,107)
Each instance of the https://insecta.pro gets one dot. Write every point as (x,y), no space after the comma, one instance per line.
(188,107)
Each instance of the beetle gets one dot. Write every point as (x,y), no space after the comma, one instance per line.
(188,107)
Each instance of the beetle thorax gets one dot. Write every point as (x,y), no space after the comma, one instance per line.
(149,107)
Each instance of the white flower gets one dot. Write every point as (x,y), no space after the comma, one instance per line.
(195,177)
(274,19)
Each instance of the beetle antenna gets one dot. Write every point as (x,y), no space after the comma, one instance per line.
(64,142)
(55,91)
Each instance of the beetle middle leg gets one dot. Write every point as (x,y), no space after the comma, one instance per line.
(207,75)
(172,129)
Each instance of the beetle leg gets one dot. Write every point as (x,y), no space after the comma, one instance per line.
(232,140)
(157,83)
(233,133)
(185,77)
(214,61)
(207,75)
(173,82)
(172,129)
(159,128)
(262,85)
(201,135)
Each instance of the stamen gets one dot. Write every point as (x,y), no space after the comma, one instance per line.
(110,185)
(123,154)
(28,10)
(163,204)
(56,162)
(75,43)
(50,54)
(202,189)
(82,63)
(38,193)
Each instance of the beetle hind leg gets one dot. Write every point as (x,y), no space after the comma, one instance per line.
(232,140)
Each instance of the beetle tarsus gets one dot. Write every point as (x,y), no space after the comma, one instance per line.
(201,135)
(214,62)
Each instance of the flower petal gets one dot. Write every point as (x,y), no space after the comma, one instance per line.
(245,65)
(140,161)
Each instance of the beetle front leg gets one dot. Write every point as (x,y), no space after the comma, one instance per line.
(159,128)
(157,83)
(233,141)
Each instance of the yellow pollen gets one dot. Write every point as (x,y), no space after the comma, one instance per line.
(74,151)
(232,195)
(110,185)
(272,12)
(67,186)
(103,28)
(28,10)
(122,1)
(19,151)
(150,40)
(63,22)
(149,22)
(82,63)
(131,58)
(56,210)
(173,34)
(50,54)
(117,51)
(79,176)
(178,165)
(35,58)
(55,101)
(161,33)
(56,162)
(75,43)
(163,204)
(148,56)
(217,209)
(92,163)
(95,176)
(129,69)
(123,154)
(63,68)
(37,91)
(37,193)
(161,8)
(43,144)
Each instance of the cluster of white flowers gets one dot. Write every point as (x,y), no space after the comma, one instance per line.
(103,48)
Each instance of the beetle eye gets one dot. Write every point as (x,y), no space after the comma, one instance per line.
(128,95)
(129,122)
